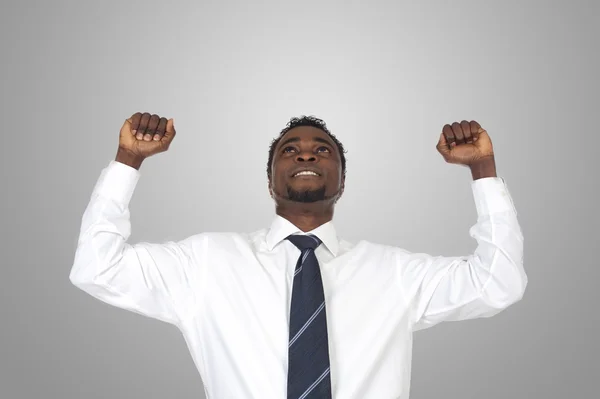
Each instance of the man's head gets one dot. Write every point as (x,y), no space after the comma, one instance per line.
(307,147)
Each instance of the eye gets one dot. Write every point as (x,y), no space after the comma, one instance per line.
(288,148)
(323,148)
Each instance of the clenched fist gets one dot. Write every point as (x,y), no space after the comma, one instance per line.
(465,143)
(468,144)
(142,136)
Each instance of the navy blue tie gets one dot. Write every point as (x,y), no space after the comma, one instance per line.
(308,362)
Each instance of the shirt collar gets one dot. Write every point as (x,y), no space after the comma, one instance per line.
(281,228)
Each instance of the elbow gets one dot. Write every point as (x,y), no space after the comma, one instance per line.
(92,264)
(88,280)
(86,270)
(97,261)
(75,278)
(79,278)
(521,287)
(506,288)
(516,292)
(516,281)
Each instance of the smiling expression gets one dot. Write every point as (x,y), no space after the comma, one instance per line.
(306,162)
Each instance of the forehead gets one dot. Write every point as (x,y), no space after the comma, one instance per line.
(306,133)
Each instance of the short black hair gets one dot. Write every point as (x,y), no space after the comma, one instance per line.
(306,121)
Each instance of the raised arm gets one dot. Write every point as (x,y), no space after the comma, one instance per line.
(155,280)
(492,278)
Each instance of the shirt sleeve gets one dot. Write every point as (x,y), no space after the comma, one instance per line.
(151,279)
(482,284)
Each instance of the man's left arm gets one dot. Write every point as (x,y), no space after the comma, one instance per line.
(492,278)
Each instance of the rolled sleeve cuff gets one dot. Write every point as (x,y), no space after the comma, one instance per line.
(117,182)
(491,195)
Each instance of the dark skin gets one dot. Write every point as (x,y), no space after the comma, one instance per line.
(310,148)
(306,147)
(468,144)
(142,136)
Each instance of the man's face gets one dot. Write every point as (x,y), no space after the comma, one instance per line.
(311,151)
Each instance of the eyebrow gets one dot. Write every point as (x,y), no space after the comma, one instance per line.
(296,139)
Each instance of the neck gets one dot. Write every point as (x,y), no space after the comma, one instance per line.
(306,216)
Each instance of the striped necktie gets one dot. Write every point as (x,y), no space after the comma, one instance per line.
(308,350)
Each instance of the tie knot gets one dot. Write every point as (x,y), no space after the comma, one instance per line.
(303,242)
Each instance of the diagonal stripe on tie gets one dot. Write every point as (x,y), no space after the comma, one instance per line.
(308,362)
(315,384)
(307,323)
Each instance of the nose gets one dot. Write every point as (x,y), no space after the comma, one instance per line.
(306,156)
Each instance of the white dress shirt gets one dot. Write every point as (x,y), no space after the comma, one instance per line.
(230,293)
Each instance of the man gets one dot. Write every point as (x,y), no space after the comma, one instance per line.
(293,311)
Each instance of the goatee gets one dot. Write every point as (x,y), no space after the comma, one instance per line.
(306,195)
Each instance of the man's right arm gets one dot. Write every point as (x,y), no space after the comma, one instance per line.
(156,280)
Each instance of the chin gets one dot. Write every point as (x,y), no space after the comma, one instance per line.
(306,195)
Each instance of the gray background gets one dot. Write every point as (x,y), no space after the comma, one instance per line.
(385,77)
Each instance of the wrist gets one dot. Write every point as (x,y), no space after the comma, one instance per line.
(482,168)
(129,159)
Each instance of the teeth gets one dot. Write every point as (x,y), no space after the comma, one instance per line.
(306,173)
